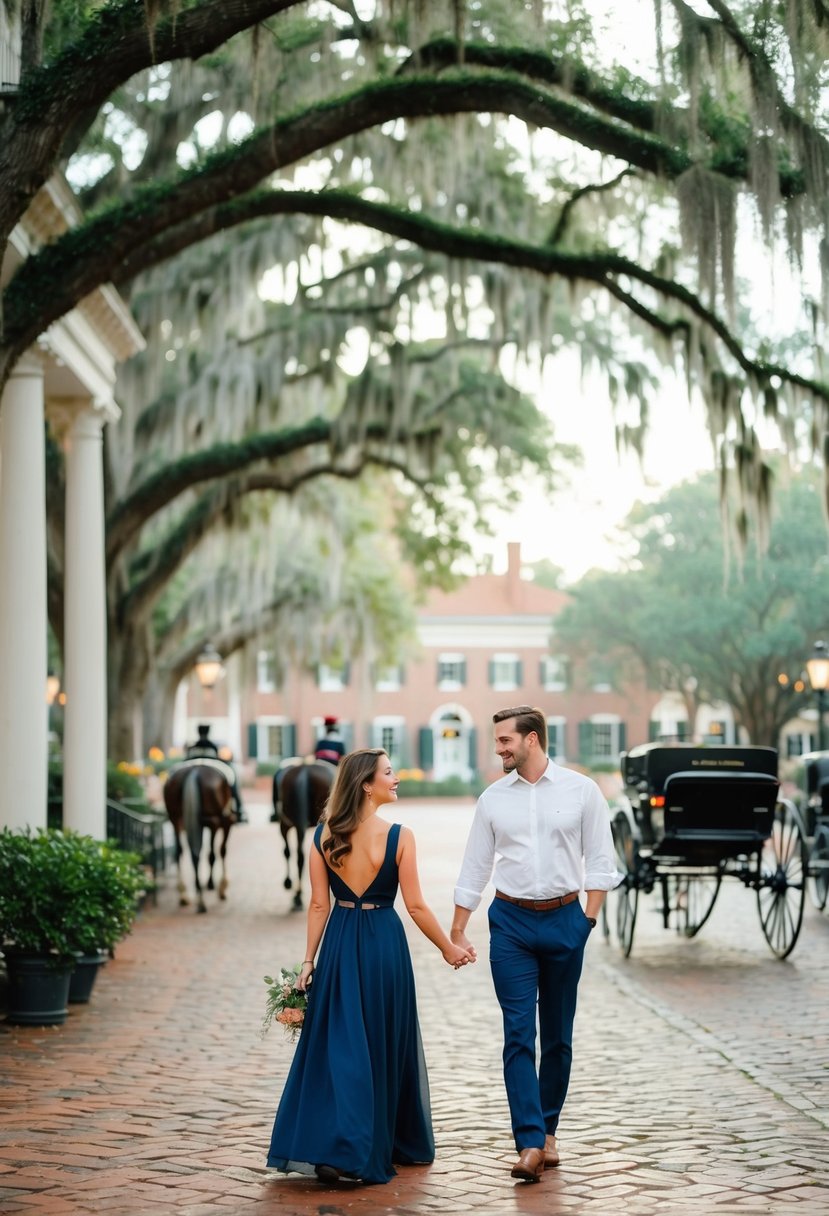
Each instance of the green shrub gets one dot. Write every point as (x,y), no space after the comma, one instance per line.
(123,786)
(451,787)
(62,893)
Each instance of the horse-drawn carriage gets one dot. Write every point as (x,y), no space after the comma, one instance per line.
(816,815)
(691,816)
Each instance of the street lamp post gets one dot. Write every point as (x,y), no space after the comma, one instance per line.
(818,669)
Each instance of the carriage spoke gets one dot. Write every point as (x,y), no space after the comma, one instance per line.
(694,901)
(819,867)
(627,893)
(781,883)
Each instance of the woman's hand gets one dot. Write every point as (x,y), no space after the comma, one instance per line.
(458,956)
(305,974)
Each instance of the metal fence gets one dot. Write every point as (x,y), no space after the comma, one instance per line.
(142,833)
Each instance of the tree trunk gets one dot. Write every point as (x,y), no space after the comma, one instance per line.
(158,709)
(127,665)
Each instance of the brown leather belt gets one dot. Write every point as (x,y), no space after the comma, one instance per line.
(539,905)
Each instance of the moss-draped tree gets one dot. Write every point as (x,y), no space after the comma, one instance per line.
(501,165)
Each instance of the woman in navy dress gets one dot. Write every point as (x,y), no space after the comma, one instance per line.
(357,1095)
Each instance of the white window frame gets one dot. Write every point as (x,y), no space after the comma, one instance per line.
(264,724)
(266,671)
(614,723)
(447,684)
(552,664)
(389,679)
(396,724)
(331,679)
(557,726)
(503,682)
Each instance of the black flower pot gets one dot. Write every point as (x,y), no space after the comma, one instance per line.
(38,989)
(84,975)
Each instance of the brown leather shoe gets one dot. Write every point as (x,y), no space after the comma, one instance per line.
(530,1165)
(551,1156)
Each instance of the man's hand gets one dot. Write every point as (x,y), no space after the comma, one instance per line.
(459,938)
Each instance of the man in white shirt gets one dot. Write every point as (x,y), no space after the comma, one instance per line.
(545,831)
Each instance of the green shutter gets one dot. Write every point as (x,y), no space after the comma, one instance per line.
(253,741)
(463,671)
(653,730)
(623,734)
(519,673)
(491,676)
(289,740)
(473,750)
(426,748)
(585,741)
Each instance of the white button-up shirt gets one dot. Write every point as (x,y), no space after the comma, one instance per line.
(543,839)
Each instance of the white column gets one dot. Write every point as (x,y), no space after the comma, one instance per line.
(85,681)
(23,623)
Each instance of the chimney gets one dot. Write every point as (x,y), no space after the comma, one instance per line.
(514,572)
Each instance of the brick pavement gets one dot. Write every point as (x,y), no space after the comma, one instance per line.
(699,1082)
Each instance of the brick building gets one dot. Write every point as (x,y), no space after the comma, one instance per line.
(484,646)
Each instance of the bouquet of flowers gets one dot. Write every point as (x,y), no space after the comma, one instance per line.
(285,1003)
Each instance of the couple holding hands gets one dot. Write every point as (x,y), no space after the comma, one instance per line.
(356,1101)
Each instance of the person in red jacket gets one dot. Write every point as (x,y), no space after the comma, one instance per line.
(330,746)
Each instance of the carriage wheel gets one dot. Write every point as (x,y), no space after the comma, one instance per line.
(781,891)
(605,922)
(819,868)
(694,899)
(627,893)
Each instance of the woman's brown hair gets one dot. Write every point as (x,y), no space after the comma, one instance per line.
(342,811)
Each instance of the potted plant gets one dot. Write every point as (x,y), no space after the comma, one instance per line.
(61,895)
(113,883)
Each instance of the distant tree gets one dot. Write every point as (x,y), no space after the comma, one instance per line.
(693,617)
(547,574)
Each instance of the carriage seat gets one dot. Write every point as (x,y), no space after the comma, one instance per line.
(710,816)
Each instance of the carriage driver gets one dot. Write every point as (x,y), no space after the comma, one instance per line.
(330,746)
(205,747)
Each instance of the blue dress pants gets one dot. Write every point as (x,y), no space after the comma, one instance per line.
(536,960)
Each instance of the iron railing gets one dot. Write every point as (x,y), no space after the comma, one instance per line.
(142,833)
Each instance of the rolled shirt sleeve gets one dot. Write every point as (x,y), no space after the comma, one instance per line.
(600,872)
(478,860)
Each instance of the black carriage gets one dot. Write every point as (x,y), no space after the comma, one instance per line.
(691,816)
(816,774)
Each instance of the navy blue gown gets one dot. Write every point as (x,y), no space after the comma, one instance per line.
(357,1094)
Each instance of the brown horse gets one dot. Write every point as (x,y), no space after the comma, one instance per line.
(198,795)
(300,792)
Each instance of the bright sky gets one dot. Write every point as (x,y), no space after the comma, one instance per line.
(572,529)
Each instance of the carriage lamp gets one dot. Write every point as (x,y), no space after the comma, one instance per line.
(818,668)
(209,666)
